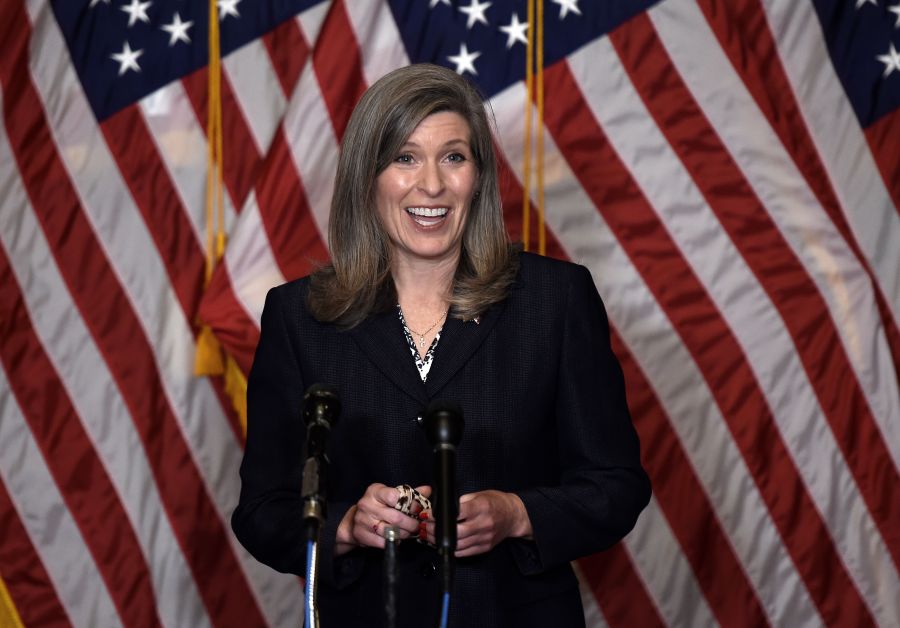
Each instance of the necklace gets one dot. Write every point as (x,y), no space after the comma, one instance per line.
(421,341)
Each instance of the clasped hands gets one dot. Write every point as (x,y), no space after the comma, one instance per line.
(485,519)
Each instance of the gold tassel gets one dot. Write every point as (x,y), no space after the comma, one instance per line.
(236,389)
(210,359)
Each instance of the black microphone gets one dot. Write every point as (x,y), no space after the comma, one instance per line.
(321,408)
(443,424)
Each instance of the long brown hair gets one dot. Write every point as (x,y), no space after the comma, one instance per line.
(358,281)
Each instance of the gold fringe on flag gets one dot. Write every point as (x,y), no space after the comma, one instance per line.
(209,359)
(534,89)
(9,616)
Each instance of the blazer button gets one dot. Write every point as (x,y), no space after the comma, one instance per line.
(428,569)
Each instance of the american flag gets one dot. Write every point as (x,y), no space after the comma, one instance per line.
(728,170)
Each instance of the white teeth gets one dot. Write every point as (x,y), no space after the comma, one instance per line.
(428,212)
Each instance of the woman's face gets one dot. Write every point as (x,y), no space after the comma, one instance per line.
(423,196)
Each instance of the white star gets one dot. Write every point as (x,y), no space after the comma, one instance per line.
(127,59)
(896,11)
(178,30)
(228,7)
(137,10)
(465,60)
(515,31)
(434,3)
(475,11)
(567,5)
(891,61)
(859,3)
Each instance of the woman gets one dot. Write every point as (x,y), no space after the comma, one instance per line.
(425,298)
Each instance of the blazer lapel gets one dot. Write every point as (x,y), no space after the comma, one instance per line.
(381,339)
(459,340)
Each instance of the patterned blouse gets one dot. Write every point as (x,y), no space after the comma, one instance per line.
(423,364)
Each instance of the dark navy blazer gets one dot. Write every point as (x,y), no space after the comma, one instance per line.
(545,417)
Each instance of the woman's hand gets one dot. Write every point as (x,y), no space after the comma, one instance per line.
(485,519)
(365,522)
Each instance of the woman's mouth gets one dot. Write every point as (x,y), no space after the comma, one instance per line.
(428,216)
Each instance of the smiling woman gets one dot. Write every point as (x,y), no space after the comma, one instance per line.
(426,299)
(429,123)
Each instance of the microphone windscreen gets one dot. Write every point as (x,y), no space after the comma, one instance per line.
(321,404)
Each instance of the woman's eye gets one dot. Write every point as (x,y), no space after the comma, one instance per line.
(405,158)
(456,157)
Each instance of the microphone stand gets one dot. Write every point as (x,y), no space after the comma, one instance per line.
(443,423)
(392,540)
(313,517)
(321,408)
(447,567)
(445,530)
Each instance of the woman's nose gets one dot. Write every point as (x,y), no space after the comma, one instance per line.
(430,181)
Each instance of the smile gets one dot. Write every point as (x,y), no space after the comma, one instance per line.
(428,216)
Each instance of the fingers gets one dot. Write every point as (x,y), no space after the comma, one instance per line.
(366,530)
(485,519)
(475,536)
(380,496)
(374,512)
(475,545)
(478,528)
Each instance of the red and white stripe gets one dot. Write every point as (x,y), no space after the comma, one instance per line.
(139,397)
(745,250)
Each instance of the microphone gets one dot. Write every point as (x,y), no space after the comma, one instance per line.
(321,408)
(443,424)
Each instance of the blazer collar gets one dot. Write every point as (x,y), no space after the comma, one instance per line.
(381,339)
